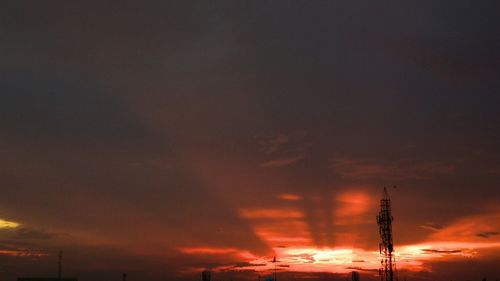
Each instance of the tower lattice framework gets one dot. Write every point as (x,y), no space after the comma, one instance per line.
(387,269)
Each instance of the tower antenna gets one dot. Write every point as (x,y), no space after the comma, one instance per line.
(386,246)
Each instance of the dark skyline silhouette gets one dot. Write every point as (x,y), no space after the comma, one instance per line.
(169,137)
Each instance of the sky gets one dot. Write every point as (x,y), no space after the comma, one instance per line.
(163,138)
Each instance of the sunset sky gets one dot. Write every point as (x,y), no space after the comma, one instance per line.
(163,138)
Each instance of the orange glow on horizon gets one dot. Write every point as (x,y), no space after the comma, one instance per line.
(344,260)
(289,236)
(20,253)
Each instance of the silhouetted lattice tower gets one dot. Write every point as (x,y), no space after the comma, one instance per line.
(384,219)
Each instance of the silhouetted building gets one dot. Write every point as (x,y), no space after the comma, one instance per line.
(47,279)
(269,278)
(355,276)
(206,275)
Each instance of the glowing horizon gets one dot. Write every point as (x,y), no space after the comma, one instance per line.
(286,232)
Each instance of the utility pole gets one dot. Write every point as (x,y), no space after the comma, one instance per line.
(274,261)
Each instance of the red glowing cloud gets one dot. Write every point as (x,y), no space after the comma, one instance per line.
(352,208)
(286,231)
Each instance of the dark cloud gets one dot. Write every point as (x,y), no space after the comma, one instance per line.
(247,264)
(487,234)
(431,226)
(138,129)
(26,237)
(282,162)
(467,269)
(362,269)
(442,251)
(27,233)
(362,169)
(60,109)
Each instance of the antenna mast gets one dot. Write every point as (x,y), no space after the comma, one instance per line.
(384,221)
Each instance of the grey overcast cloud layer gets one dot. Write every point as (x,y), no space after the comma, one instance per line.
(134,132)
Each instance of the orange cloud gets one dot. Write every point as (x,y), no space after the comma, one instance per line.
(351,208)
(287,233)
(284,233)
(21,253)
(271,214)
(289,197)
(483,228)
(208,250)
